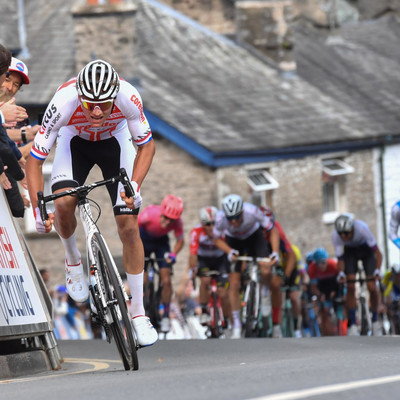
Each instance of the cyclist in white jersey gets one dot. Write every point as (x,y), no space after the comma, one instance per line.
(394,224)
(241,223)
(353,241)
(95,118)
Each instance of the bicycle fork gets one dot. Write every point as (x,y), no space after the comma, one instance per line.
(253,275)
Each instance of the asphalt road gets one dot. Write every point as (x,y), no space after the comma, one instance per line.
(263,369)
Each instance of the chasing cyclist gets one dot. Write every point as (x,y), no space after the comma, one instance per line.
(391,296)
(205,256)
(323,272)
(353,241)
(241,223)
(96,118)
(155,222)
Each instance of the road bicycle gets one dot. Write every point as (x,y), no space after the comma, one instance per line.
(216,323)
(312,317)
(152,291)
(107,292)
(364,315)
(251,310)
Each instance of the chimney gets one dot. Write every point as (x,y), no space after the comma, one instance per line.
(105,29)
(265,25)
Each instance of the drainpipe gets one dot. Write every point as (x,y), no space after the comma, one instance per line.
(24,54)
(383,205)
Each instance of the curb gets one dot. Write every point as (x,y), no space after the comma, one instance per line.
(21,364)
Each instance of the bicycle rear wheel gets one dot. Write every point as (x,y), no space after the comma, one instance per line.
(216,326)
(121,326)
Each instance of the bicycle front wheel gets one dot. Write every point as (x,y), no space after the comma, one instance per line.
(121,326)
(250,312)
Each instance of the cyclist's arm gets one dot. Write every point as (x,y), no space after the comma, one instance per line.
(143,160)
(290,264)
(34,177)
(178,245)
(274,239)
(221,244)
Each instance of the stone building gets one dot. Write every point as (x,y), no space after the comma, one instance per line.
(224,120)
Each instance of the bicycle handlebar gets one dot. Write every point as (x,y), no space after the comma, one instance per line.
(83,191)
(257,259)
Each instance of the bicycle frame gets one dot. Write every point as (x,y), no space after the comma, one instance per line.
(251,300)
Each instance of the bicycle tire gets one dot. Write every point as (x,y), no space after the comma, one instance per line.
(121,326)
(288,324)
(364,329)
(249,326)
(151,304)
(215,322)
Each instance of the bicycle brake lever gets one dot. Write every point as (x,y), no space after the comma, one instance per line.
(126,183)
(42,207)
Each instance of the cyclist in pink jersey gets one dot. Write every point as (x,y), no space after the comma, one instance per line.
(206,256)
(96,119)
(155,222)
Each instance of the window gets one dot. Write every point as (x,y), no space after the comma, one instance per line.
(29,220)
(260,180)
(334,173)
(262,184)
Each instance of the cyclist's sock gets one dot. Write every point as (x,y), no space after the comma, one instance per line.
(166,310)
(236,318)
(264,291)
(351,315)
(275,314)
(135,282)
(72,253)
(374,316)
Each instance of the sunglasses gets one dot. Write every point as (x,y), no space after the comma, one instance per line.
(209,223)
(91,105)
(168,219)
(234,218)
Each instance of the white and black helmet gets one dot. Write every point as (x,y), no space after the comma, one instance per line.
(344,223)
(207,214)
(232,205)
(98,81)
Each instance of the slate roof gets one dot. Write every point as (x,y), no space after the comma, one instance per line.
(209,96)
(357,66)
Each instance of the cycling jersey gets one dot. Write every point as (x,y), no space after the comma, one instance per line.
(65,111)
(361,236)
(149,223)
(390,289)
(253,218)
(202,245)
(80,146)
(394,223)
(317,274)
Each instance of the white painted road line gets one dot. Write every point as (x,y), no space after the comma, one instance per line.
(339,387)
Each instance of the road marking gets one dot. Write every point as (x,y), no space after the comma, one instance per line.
(97,365)
(339,387)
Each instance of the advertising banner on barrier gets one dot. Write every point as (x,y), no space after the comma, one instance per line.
(20,303)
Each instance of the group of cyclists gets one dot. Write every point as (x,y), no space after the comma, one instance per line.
(96,118)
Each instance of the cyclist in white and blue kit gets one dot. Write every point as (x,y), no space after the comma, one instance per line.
(242,225)
(353,241)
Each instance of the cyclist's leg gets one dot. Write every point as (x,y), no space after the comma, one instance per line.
(369,264)
(70,169)
(350,269)
(294,284)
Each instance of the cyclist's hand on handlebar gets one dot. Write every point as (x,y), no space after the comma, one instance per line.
(170,258)
(341,277)
(40,226)
(274,257)
(133,202)
(232,255)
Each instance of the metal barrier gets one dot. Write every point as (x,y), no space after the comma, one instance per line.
(25,305)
